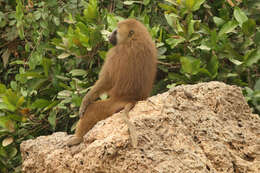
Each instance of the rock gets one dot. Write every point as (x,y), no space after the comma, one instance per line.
(207,127)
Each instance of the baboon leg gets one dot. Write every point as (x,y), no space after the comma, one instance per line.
(131,127)
(95,112)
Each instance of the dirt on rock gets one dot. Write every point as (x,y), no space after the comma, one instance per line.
(207,127)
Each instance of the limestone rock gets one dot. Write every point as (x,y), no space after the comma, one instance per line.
(207,127)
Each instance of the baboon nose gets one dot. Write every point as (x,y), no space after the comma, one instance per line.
(112,38)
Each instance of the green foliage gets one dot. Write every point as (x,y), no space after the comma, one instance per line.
(52,52)
(12,114)
(83,37)
(253,95)
(218,46)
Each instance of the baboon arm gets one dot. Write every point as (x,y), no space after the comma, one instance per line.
(101,86)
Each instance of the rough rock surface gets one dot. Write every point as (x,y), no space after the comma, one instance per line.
(206,127)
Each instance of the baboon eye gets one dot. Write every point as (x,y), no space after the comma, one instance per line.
(131,32)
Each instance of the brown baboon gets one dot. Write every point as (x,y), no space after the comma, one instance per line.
(127,76)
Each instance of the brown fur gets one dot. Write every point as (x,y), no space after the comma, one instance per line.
(127,76)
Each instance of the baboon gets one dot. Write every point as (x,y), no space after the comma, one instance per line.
(127,76)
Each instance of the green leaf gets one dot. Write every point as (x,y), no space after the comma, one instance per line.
(4,106)
(231,75)
(7,141)
(63,55)
(173,42)
(213,66)
(240,16)
(195,36)
(197,4)
(62,78)
(76,100)
(83,28)
(32,75)
(3,24)
(228,27)
(9,101)
(112,22)
(69,19)
(6,123)
(40,103)
(51,105)
(191,27)
(249,27)
(5,57)
(37,15)
(44,24)
(35,59)
(14,85)
(20,101)
(204,73)
(257,38)
(27,47)
(12,152)
(91,11)
(204,47)
(2,88)
(189,4)
(73,127)
(16,117)
(64,94)
(39,83)
(146,2)
(257,85)
(3,154)
(78,72)
(102,54)
(234,61)
(18,62)
(252,58)
(52,119)
(249,93)
(56,21)
(46,63)
(213,39)
(1,16)
(190,65)
(132,2)
(174,2)
(103,96)
(176,77)
(172,20)
(167,7)
(84,40)
(218,21)
(19,17)
(45,15)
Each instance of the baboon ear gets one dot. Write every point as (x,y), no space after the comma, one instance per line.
(131,32)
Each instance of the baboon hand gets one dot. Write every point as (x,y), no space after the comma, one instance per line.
(85,102)
(82,110)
